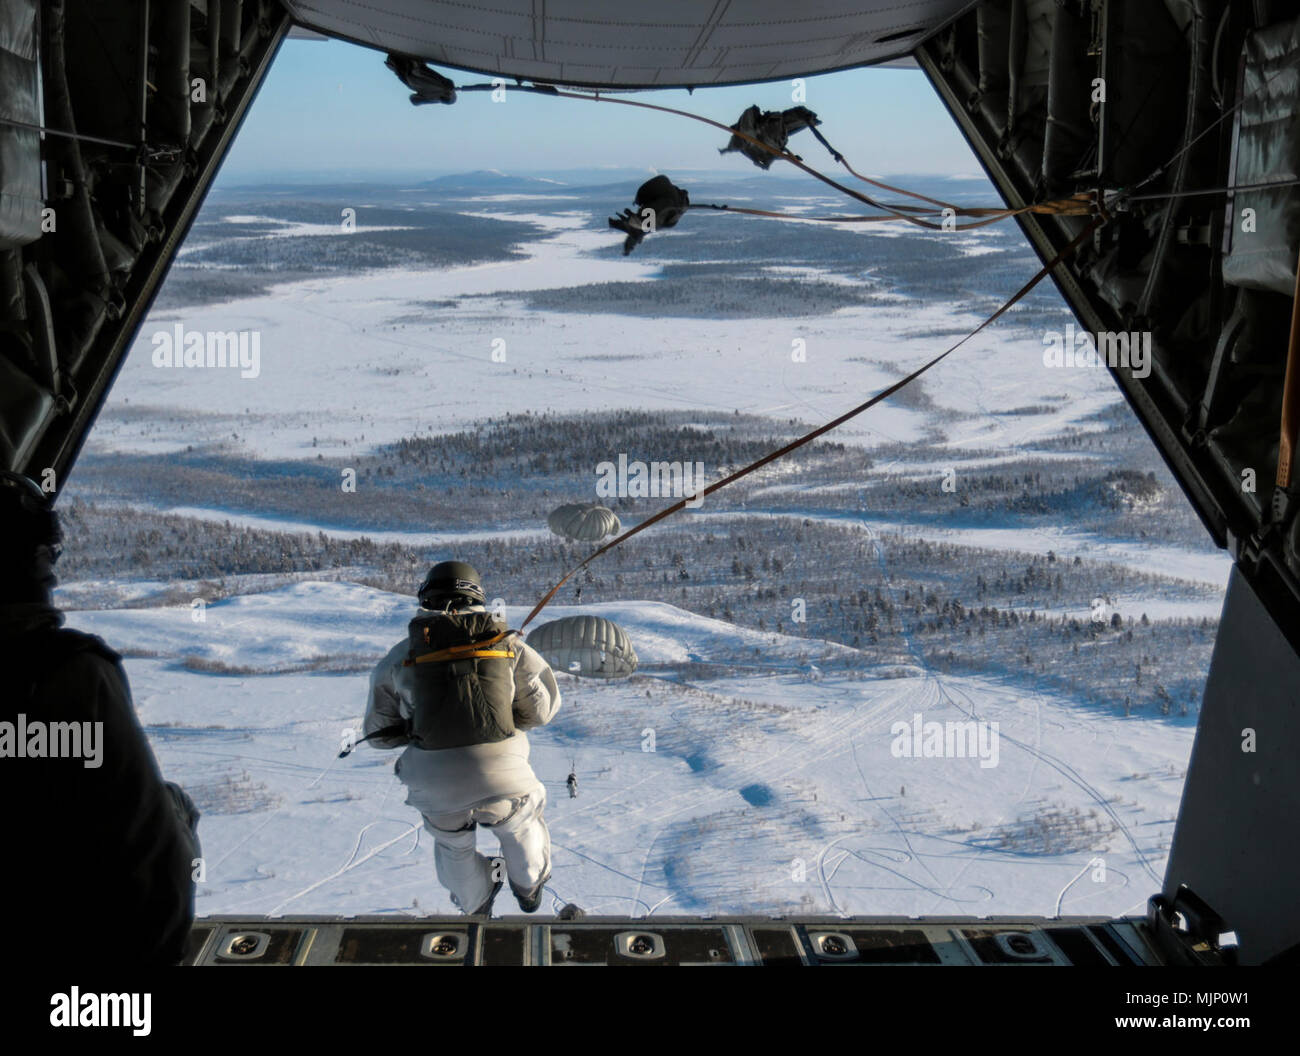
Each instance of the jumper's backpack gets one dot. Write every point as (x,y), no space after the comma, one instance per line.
(463,680)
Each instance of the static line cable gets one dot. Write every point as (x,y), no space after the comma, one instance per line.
(842,160)
(145,152)
(80,136)
(900,212)
(909,213)
(595,97)
(1219,120)
(1290,431)
(1204,191)
(1079,205)
(807,438)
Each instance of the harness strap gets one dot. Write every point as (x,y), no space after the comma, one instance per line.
(433,658)
(468,651)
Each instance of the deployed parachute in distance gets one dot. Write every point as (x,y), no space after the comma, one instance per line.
(589,646)
(584,521)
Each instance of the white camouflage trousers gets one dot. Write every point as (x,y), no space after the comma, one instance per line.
(517,823)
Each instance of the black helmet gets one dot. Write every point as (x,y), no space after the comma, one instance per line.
(450,581)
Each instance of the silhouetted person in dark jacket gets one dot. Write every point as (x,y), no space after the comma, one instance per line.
(99,852)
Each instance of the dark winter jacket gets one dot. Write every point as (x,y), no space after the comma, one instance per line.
(100,852)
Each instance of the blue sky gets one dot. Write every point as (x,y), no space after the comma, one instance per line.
(333,108)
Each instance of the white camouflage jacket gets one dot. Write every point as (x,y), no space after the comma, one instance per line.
(452,779)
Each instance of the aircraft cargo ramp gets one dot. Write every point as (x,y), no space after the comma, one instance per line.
(812,941)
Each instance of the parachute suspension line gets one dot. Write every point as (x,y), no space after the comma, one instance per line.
(1101,218)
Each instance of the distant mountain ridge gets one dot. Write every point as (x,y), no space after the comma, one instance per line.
(491,180)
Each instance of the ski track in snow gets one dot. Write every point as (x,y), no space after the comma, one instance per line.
(352,862)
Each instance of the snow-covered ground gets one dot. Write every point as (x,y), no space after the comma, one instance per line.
(772,785)
(774,788)
(331,347)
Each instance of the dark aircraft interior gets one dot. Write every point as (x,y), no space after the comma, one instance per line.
(1179,119)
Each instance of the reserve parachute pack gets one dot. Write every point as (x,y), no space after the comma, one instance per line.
(463,680)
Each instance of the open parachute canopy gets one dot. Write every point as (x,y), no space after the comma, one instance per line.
(584,521)
(589,646)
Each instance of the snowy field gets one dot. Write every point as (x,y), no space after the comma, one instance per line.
(331,351)
(768,791)
(774,784)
